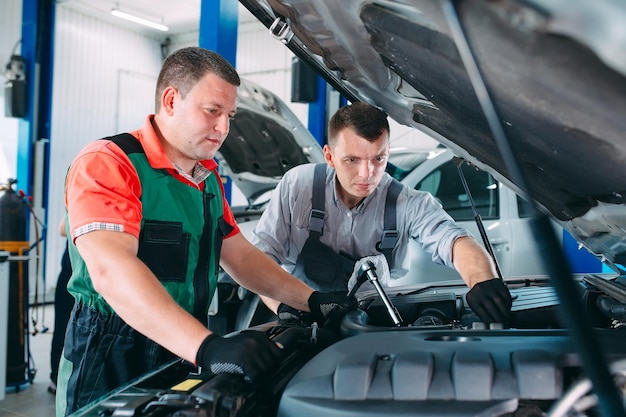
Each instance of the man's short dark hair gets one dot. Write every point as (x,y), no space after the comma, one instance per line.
(368,121)
(185,67)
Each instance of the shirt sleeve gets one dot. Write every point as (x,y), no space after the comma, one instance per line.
(432,226)
(102,191)
(272,232)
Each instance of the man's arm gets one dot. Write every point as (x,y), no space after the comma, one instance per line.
(136,295)
(270,303)
(472,261)
(257,272)
(488,297)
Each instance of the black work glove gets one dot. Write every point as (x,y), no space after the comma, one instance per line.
(249,353)
(491,301)
(289,314)
(330,307)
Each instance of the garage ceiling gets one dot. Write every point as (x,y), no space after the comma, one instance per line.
(179,15)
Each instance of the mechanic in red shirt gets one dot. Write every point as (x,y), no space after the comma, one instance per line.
(148,228)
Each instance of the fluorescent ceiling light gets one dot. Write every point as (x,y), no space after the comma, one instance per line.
(139,20)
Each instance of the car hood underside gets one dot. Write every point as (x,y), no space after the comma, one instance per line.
(555,73)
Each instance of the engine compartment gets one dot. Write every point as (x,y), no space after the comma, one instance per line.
(441,373)
(440,361)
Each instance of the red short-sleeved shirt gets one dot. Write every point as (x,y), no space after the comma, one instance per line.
(103,190)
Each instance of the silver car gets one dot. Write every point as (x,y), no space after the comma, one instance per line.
(504,215)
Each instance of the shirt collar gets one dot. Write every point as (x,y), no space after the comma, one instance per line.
(159,160)
(199,174)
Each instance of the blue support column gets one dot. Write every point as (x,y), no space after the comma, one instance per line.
(37,50)
(25,126)
(218,32)
(317,113)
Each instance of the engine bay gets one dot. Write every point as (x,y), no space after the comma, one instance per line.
(439,361)
(440,373)
(443,361)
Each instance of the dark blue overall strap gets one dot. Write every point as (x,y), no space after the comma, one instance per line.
(316,219)
(390,237)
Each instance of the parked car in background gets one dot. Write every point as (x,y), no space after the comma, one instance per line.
(504,215)
(531,92)
(266,139)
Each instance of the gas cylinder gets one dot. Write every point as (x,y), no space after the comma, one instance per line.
(13,239)
(12,215)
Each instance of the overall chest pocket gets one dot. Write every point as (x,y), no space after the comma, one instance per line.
(164,248)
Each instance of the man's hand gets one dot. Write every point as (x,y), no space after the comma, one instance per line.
(249,353)
(289,314)
(491,301)
(330,306)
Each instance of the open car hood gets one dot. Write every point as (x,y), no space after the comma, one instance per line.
(265,140)
(555,71)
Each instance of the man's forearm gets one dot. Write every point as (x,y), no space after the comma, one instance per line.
(270,303)
(472,261)
(136,295)
(260,274)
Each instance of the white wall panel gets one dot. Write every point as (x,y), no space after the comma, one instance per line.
(267,62)
(132,101)
(103,81)
(183,41)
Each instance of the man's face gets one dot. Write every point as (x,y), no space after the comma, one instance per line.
(359,164)
(200,121)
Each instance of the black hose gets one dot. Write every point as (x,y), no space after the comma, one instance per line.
(611,308)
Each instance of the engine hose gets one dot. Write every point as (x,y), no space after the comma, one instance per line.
(611,308)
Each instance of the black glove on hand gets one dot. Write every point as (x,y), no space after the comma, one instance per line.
(249,353)
(330,305)
(491,301)
(289,314)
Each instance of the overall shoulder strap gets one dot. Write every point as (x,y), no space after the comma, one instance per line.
(127,142)
(389,237)
(316,219)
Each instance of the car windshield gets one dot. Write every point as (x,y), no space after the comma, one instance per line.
(403,160)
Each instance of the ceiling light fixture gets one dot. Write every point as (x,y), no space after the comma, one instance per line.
(139,20)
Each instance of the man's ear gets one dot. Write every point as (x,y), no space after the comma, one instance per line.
(167,99)
(328,156)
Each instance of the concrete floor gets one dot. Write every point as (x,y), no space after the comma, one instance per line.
(33,399)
